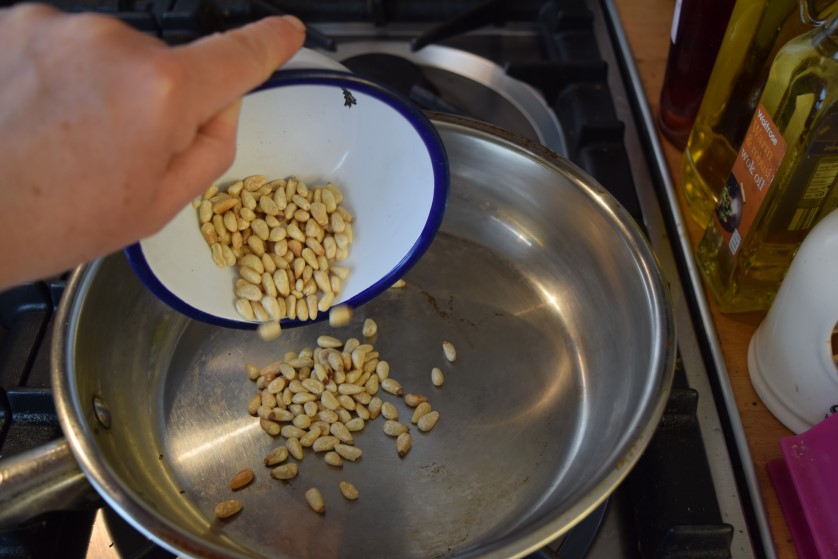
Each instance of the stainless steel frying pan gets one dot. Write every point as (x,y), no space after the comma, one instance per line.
(565,344)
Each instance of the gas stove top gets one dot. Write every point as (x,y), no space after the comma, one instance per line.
(554,73)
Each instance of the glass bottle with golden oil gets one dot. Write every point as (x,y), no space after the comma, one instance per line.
(783,180)
(757,29)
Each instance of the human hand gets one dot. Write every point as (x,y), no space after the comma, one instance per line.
(106,133)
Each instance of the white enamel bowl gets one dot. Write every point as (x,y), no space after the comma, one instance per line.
(382,151)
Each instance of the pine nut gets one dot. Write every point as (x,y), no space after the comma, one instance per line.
(268,205)
(449,351)
(205,212)
(241,479)
(437,378)
(289,432)
(392,386)
(374,407)
(340,431)
(285,471)
(226,509)
(322,425)
(260,228)
(348,452)
(211,237)
(314,386)
(333,459)
(253,262)
(312,304)
(254,182)
(389,411)
(350,389)
(348,490)
(344,415)
(341,271)
(394,428)
(254,404)
(347,402)
(353,376)
(270,330)
(421,409)
(328,341)
(355,424)
(303,397)
(329,400)
(414,400)
(312,436)
(325,443)
(295,447)
(259,311)
(370,328)
(427,421)
(287,371)
(329,200)
(340,315)
(231,222)
(302,421)
(403,443)
(249,292)
(244,308)
(268,399)
(268,285)
(223,206)
(270,427)
(276,456)
(218,256)
(252,371)
(362,412)
(315,500)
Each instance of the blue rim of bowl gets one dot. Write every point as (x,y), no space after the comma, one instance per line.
(442,184)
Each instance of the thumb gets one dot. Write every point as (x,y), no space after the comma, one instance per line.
(223,67)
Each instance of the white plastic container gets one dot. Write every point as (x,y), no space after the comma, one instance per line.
(790,357)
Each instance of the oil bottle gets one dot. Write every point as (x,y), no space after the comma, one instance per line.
(783,180)
(757,29)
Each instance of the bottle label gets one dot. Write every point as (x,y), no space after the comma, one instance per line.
(817,172)
(749,180)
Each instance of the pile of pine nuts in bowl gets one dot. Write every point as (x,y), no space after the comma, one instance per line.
(329,167)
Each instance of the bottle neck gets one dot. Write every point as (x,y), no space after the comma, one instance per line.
(816,12)
(825,38)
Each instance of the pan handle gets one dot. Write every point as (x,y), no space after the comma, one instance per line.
(43,479)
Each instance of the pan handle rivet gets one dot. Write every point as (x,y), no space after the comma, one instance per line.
(102,412)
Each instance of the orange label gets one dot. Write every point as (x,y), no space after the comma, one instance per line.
(752,174)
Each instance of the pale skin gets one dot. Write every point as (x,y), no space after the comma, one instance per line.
(107,133)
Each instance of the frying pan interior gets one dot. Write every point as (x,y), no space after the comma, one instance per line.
(564,343)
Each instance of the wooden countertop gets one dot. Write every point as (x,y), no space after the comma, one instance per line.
(646,24)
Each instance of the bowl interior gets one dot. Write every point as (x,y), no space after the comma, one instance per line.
(320,126)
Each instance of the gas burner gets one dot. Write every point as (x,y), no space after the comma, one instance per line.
(446,79)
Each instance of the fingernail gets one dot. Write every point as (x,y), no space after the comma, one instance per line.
(295,22)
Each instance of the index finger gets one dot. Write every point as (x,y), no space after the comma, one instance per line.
(227,65)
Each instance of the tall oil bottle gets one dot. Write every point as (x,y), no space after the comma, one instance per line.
(756,31)
(783,179)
